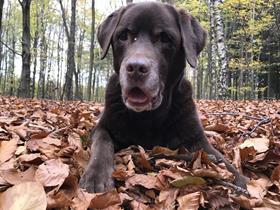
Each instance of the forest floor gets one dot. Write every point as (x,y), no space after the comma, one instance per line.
(44,149)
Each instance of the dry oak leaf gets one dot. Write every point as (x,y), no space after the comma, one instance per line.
(220,128)
(135,205)
(82,200)
(247,203)
(218,198)
(188,180)
(61,196)
(105,200)
(86,200)
(32,158)
(163,150)
(7,149)
(258,188)
(52,173)
(24,196)
(259,144)
(275,176)
(167,197)
(190,201)
(14,176)
(149,182)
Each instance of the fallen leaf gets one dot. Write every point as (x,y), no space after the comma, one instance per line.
(121,174)
(135,205)
(259,144)
(168,197)
(146,181)
(52,173)
(14,176)
(190,201)
(104,200)
(248,153)
(187,180)
(247,203)
(7,149)
(257,188)
(62,196)
(163,150)
(275,176)
(33,158)
(82,200)
(24,196)
(217,128)
(218,198)
(142,159)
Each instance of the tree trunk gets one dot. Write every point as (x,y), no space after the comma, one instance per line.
(1,13)
(24,88)
(91,59)
(212,67)
(59,50)
(43,58)
(35,50)
(78,93)
(167,1)
(49,85)
(11,74)
(221,49)
(68,86)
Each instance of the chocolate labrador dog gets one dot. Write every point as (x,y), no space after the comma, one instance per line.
(148,101)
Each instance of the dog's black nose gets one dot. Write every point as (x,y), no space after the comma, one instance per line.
(137,67)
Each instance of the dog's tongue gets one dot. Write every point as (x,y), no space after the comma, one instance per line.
(136,95)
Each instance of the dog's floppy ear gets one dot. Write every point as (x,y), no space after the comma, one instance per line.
(193,37)
(106,30)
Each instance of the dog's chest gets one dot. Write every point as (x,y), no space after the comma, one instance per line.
(147,138)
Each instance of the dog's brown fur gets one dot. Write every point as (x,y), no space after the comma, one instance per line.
(148,100)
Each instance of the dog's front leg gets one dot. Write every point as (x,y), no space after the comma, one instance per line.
(98,174)
(239,180)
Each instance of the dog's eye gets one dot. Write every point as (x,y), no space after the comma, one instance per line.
(164,37)
(123,35)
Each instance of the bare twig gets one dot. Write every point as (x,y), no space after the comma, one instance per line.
(263,120)
(9,48)
(235,114)
(238,190)
(185,157)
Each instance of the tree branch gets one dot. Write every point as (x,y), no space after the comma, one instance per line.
(20,2)
(237,189)
(64,19)
(9,48)
(263,120)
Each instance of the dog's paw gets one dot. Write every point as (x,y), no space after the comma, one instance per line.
(97,181)
(241,181)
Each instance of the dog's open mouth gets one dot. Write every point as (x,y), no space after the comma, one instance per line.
(137,97)
(140,100)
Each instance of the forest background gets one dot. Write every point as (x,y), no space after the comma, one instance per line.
(48,48)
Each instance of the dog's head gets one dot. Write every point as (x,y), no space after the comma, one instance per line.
(150,43)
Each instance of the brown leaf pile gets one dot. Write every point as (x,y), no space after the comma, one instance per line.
(44,149)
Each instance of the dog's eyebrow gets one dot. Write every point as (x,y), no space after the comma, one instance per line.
(170,31)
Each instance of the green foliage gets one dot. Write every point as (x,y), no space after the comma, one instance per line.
(251,29)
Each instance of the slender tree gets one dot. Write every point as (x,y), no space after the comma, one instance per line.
(43,53)
(24,87)
(1,12)
(91,59)
(78,92)
(212,53)
(35,50)
(221,50)
(68,86)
